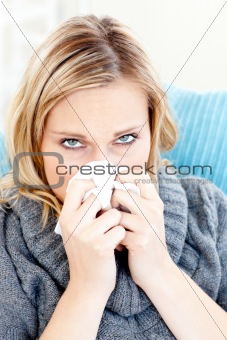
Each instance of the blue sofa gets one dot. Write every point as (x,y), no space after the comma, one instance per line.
(202,121)
(4,163)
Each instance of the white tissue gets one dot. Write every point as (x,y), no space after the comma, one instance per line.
(108,179)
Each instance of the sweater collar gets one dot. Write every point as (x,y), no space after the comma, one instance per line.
(47,246)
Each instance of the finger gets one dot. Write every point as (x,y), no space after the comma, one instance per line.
(81,218)
(134,223)
(130,221)
(129,240)
(143,182)
(127,199)
(105,222)
(89,208)
(133,241)
(76,192)
(114,236)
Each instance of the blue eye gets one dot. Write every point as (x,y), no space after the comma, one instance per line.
(72,143)
(126,140)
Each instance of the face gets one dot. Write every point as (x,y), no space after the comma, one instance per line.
(96,124)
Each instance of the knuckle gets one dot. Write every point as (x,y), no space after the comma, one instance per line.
(121,230)
(94,198)
(76,183)
(85,240)
(67,225)
(116,213)
(161,203)
(142,242)
(98,249)
(63,221)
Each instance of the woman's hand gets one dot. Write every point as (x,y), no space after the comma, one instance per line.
(89,240)
(145,233)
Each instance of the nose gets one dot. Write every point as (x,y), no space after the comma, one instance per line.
(101,154)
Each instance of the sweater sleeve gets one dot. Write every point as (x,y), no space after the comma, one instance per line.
(18,316)
(222,247)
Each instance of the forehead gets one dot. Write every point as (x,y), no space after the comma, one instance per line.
(120,103)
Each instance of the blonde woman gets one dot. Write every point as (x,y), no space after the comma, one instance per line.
(155,270)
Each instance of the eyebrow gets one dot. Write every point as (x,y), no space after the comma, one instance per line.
(74,134)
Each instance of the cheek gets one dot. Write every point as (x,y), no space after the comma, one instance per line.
(51,171)
(50,166)
(146,149)
(141,153)
(136,157)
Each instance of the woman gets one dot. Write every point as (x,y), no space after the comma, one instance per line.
(156,271)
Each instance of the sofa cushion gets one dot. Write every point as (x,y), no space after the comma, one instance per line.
(202,121)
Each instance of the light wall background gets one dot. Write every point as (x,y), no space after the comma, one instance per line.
(186,40)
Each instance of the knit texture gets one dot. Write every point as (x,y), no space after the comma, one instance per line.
(34,269)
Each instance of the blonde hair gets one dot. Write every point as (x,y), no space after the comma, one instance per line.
(84,51)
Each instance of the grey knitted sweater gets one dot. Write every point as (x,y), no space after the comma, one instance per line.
(34,269)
